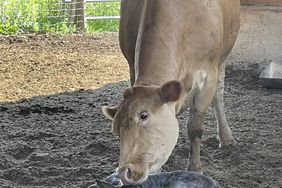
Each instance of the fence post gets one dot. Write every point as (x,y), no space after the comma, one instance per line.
(80,15)
(72,12)
(77,15)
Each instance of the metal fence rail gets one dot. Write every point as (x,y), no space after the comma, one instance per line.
(79,12)
(101,17)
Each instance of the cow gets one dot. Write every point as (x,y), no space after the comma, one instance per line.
(176,52)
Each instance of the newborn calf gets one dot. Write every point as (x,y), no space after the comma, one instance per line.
(177,179)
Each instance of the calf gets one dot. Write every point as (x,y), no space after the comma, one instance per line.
(177,179)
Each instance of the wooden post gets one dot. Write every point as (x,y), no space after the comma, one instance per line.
(77,14)
(72,12)
(80,15)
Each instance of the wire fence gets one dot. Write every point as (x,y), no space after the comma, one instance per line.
(58,15)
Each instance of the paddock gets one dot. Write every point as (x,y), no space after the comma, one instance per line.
(53,133)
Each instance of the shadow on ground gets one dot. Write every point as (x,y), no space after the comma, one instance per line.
(63,140)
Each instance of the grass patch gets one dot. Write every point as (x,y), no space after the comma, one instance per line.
(102,9)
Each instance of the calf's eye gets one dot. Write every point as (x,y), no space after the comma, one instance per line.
(143,116)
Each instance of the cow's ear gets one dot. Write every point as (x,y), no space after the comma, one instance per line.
(127,93)
(170,91)
(109,112)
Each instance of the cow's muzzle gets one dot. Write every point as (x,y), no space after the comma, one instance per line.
(131,175)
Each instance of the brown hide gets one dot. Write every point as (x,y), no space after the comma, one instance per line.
(176,52)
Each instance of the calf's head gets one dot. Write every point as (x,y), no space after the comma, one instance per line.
(147,128)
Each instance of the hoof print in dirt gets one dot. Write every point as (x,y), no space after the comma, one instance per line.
(20,151)
(3,109)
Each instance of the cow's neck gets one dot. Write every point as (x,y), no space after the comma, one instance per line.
(158,51)
(157,68)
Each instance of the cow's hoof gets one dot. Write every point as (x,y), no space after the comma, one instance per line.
(195,168)
(227,143)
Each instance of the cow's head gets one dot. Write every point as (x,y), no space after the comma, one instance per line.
(146,125)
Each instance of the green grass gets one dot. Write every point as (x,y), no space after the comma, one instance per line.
(102,9)
(21,16)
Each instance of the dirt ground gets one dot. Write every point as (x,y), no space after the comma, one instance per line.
(52,132)
(34,65)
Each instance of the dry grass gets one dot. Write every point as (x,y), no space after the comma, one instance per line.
(42,65)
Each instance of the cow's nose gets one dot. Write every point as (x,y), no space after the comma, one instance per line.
(127,175)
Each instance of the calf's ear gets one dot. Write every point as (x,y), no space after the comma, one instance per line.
(103,184)
(170,91)
(109,112)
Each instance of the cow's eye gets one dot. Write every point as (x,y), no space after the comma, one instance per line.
(143,116)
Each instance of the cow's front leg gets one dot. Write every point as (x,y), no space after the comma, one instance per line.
(197,116)
(195,125)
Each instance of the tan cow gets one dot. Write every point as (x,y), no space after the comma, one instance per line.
(176,51)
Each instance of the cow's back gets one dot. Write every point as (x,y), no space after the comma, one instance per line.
(191,17)
(184,31)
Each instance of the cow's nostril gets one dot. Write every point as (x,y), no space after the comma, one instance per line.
(126,175)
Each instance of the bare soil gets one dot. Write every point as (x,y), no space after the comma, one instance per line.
(52,132)
(34,65)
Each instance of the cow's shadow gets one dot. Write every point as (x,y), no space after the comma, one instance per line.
(58,140)
(64,140)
